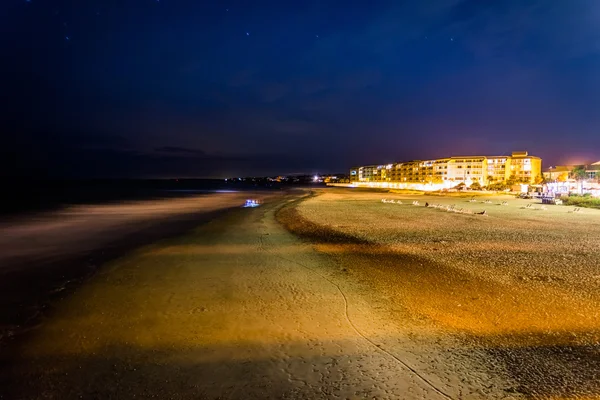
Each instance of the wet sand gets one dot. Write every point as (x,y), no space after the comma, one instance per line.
(45,255)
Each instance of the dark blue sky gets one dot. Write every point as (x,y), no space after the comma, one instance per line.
(146,88)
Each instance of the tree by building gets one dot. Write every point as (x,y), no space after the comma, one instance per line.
(562,177)
(512,180)
(476,185)
(578,173)
(539,180)
(497,186)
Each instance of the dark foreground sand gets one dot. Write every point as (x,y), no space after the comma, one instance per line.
(241,308)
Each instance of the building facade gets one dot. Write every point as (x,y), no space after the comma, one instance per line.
(562,173)
(563,179)
(519,166)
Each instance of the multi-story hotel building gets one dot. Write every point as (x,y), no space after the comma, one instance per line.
(519,166)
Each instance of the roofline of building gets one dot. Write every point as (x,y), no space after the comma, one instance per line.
(453,158)
(538,158)
(560,168)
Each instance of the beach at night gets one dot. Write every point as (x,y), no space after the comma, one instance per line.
(300,200)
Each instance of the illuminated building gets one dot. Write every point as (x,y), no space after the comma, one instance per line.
(562,173)
(524,167)
(563,179)
(447,172)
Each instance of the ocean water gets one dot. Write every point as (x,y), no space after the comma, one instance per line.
(24,196)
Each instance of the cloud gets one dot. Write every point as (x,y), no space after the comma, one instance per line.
(107,163)
(242,78)
(294,127)
(270,92)
(32,157)
(360,79)
(536,32)
(311,86)
(179,150)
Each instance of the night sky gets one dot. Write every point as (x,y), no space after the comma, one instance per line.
(178,88)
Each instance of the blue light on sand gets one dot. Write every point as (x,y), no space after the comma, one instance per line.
(251,203)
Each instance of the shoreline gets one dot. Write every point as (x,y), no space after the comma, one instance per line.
(31,283)
(76,270)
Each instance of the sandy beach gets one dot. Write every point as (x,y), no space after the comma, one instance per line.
(520,284)
(332,295)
